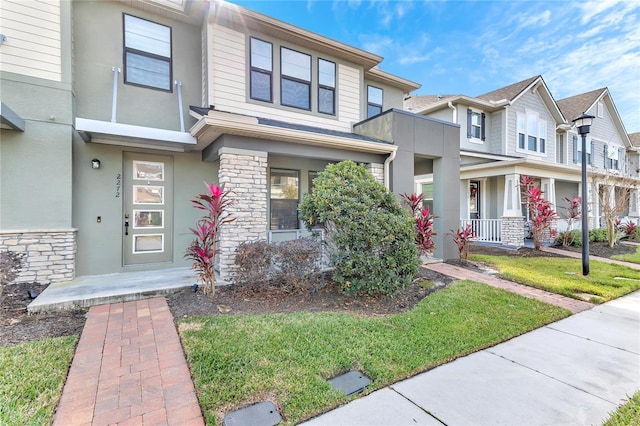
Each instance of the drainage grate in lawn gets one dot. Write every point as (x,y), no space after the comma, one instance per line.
(350,383)
(260,414)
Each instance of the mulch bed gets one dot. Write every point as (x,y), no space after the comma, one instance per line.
(17,326)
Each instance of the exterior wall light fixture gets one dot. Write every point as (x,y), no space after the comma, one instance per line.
(95,163)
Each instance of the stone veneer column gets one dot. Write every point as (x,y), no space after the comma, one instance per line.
(513,231)
(50,254)
(377,170)
(244,172)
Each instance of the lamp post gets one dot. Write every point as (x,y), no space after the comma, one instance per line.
(583,124)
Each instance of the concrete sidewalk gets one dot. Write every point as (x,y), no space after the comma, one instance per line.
(572,372)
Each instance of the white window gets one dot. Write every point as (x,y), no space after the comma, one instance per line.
(532,133)
(600,109)
(374,101)
(578,143)
(613,157)
(147,53)
(475,125)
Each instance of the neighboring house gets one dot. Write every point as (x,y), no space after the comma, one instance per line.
(522,130)
(118,111)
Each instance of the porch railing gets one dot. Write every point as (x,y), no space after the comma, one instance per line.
(487,230)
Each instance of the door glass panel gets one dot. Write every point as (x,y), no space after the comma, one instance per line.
(148,243)
(147,170)
(148,194)
(148,218)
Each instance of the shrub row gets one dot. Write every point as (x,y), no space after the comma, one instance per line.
(598,235)
(292,265)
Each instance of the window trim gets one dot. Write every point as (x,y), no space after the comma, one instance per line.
(126,50)
(482,126)
(283,77)
(325,87)
(374,104)
(600,109)
(298,174)
(260,71)
(522,144)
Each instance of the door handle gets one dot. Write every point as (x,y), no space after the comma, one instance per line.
(126,224)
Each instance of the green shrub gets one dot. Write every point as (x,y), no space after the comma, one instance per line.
(598,235)
(573,238)
(371,237)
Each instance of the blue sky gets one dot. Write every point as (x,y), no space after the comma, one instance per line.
(474,47)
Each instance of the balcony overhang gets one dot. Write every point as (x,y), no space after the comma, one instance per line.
(217,123)
(9,119)
(109,133)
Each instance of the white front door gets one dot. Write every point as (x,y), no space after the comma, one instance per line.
(148,208)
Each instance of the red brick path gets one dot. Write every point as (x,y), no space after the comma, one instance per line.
(573,305)
(129,369)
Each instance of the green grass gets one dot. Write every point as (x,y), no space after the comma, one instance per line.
(627,415)
(564,276)
(286,358)
(629,257)
(32,378)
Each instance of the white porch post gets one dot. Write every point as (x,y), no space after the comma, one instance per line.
(512,223)
(634,203)
(548,186)
(593,204)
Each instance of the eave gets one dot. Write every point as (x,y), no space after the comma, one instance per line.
(9,119)
(216,123)
(488,106)
(376,74)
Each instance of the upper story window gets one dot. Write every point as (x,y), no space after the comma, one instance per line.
(261,70)
(577,150)
(147,53)
(326,87)
(374,101)
(295,84)
(532,133)
(600,109)
(612,157)
(475,125)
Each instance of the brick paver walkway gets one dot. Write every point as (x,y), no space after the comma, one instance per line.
(577,255)
(573,305)
(129,369)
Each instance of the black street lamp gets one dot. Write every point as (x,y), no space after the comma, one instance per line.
(583,124)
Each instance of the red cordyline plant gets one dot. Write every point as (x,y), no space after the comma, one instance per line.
(204,247)
(574,210)
(424,222)
(540,211)
(464,238)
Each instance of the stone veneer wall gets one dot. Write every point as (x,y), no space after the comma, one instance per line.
(513,231)
(245,173)
(50,254)
(377,170)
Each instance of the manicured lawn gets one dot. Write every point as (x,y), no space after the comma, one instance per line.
(629,257)
(286,358)
(628,414)
(32,378)
(564,276)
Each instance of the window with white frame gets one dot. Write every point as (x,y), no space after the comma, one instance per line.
(475,124)
(578,149)
(600,112)
(147,53)
(284,193)
(374,101)
(612,157)
(261,70)
(532,133)
(326,87)
(427,192)
(295,79)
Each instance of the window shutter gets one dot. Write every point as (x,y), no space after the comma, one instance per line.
(575,149)
(482,126)
(468,123)
(592,154)
(606,156)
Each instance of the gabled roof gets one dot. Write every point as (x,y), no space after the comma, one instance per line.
(419,102)
(635,139)
(574,106)
(511,91)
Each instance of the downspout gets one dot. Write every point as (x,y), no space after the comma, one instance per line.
(387,162)
(455,112)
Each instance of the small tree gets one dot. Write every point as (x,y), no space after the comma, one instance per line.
(574,210)
(372,236)
(424,222)
(463,238)
(540,212)
(204,247)
(614,195)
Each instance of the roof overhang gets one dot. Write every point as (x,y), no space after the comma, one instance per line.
(217,123)
(9,119)
(134,136)
(523,166)
(376,74)
(488,106)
